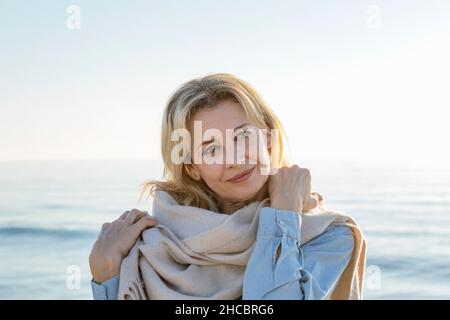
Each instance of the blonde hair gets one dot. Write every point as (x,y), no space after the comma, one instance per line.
(207,92)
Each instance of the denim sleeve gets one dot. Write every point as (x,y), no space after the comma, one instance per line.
(107,290)
(307,272)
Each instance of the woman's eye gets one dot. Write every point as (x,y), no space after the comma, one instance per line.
(210,150)
(243,134)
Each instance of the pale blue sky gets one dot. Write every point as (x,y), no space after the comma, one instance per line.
(342,87)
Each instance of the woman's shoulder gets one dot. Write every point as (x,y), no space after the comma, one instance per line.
(161,195)
(339,230)
(336,236)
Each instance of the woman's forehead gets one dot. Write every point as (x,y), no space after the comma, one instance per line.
(225,115)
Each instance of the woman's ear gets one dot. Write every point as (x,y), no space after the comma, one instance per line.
(192,171)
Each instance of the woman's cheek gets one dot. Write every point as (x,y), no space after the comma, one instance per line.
(212,173)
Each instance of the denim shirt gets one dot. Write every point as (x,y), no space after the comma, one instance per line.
(307,272)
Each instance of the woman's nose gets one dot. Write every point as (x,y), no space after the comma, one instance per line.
(236,155)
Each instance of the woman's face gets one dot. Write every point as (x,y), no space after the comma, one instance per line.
(223,176)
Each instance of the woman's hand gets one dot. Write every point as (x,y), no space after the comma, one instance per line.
(114,243)
(290,189)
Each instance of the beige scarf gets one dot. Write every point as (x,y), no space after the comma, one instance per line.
(193,253)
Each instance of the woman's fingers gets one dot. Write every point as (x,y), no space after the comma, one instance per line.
(309,203)
(318,196)
(104,227)
(312,201)
(123,215)
(134,215)
(143,223)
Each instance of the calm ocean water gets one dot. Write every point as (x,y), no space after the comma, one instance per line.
(51,212)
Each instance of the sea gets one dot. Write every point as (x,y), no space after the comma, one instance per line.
(51,212)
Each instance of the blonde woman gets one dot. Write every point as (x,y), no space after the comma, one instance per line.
(232,218)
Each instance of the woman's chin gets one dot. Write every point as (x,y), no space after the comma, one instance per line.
(245,194)
(245,190)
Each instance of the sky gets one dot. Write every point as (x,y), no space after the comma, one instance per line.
(355,80)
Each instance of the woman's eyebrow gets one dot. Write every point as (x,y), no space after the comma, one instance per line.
(240,126)
(207,141)
(212,139)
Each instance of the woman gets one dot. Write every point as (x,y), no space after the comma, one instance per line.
(228,222)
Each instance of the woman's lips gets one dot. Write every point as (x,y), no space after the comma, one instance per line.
(242,176)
